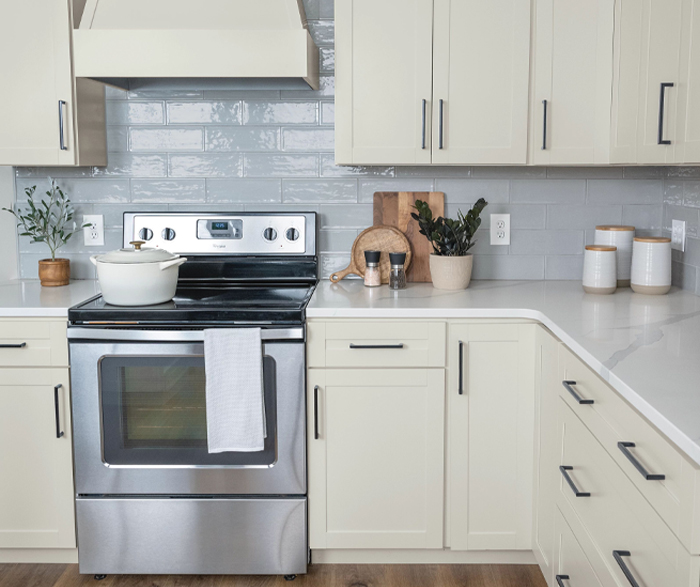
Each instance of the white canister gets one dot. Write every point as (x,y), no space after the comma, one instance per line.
(613,235)
(600,269)
(651,265)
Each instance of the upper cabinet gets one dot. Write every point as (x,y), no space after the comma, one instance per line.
(47,116)
(481,63)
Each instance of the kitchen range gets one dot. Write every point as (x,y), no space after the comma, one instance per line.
(151,498)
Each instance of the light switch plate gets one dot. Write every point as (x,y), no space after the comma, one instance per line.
(500,229)
(94,235)
(678,235)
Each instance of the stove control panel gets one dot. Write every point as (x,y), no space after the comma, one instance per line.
(237,234)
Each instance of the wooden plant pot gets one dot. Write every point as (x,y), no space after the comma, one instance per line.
(54,273)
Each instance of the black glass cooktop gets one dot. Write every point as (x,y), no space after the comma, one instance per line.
(206,304)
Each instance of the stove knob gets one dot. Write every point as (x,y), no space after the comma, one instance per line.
(269,234)
(145,234)
(168,234)
(292,234)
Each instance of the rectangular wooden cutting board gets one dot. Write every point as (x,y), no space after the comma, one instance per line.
(394,209)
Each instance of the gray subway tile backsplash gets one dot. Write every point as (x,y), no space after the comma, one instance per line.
(266,150)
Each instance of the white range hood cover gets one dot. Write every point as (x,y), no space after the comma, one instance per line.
(200,44)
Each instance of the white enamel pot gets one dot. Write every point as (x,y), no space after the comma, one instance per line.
(138,276)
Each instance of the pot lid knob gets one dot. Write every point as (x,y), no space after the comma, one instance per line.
(137,244)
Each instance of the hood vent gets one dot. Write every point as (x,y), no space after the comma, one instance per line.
(196,44)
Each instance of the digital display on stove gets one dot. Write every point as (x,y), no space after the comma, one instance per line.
(219,225)
(231,229)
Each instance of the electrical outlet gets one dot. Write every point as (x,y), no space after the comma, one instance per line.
(678,235)
(94,235)
(500,229)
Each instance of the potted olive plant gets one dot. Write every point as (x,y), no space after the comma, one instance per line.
(451,262)
(48,221)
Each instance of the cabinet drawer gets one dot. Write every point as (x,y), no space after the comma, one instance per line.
(626,530)
(375,343)
(33,343)
(645,455)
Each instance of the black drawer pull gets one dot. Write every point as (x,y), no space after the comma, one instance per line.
(617,555)
(564,471)
(624,447)
(19,345)
(316,434)
(560,580)
(568,385)
(376,346)
(59,432)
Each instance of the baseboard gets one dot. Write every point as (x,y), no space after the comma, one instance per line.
(39,555)
(407,556)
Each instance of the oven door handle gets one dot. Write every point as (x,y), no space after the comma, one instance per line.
(136,335)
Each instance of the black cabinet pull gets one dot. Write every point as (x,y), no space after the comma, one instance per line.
(61,135)
(376,346)
(544,125)
(19,345)
(568,385)
(662,108)
(59,432)
(564,471)
(424,116)
(624,447)
(560,580)
(461,368)
(617,555)
(441,131)
(316,434)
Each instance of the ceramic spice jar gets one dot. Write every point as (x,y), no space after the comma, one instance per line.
(651,265)
(373,275)
(614,235)
(600,269)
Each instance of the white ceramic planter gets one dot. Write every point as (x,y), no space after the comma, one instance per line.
(600,269)
(452,273)
(622,238)
(137,277)
(651,265)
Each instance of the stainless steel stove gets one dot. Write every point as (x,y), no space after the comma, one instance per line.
(150,498)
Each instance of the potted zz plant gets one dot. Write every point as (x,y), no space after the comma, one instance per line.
(451,262)
(49,221)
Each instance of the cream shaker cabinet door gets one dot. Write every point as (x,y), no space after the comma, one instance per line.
(383,81)
(571,77)
(546,442)
(490,419)
(481,66)
(688,148)
(36,486)
(375,449)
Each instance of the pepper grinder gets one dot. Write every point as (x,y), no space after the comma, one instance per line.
(373,276)
(397,275)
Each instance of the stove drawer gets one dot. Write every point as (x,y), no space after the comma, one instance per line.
(33,343)
(375,343)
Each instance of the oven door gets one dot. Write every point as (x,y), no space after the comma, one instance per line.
(139,422)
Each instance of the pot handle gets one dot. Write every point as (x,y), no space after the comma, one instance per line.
(93,260)
(172,263)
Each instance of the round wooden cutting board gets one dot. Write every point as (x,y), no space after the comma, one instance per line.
(386,239)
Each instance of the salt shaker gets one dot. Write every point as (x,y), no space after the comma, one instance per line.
(373,276)
(397,274)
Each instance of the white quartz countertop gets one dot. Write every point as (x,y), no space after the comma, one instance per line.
(645,347)
(27,297)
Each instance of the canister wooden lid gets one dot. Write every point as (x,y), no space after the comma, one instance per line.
(600,248)
(615,227)
(652,239)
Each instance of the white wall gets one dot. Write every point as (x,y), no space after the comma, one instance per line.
(8,232)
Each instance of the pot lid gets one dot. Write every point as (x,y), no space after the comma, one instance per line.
(137,254)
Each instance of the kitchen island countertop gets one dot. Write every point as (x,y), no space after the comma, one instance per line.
(646,347)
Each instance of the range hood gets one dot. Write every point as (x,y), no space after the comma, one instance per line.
(196,44)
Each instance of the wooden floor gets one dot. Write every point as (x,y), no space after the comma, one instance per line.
(319,576)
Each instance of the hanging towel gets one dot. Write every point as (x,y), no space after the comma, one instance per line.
(234,390)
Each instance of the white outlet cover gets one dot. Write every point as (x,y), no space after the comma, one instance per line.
(500,229)
(678,235)
(94,235)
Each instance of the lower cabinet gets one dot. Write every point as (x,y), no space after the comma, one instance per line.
(376,458)
(491,429)
(36,463)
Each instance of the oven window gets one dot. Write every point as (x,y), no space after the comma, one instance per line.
(154,413)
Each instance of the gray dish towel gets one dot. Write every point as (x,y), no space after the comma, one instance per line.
(234,390)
